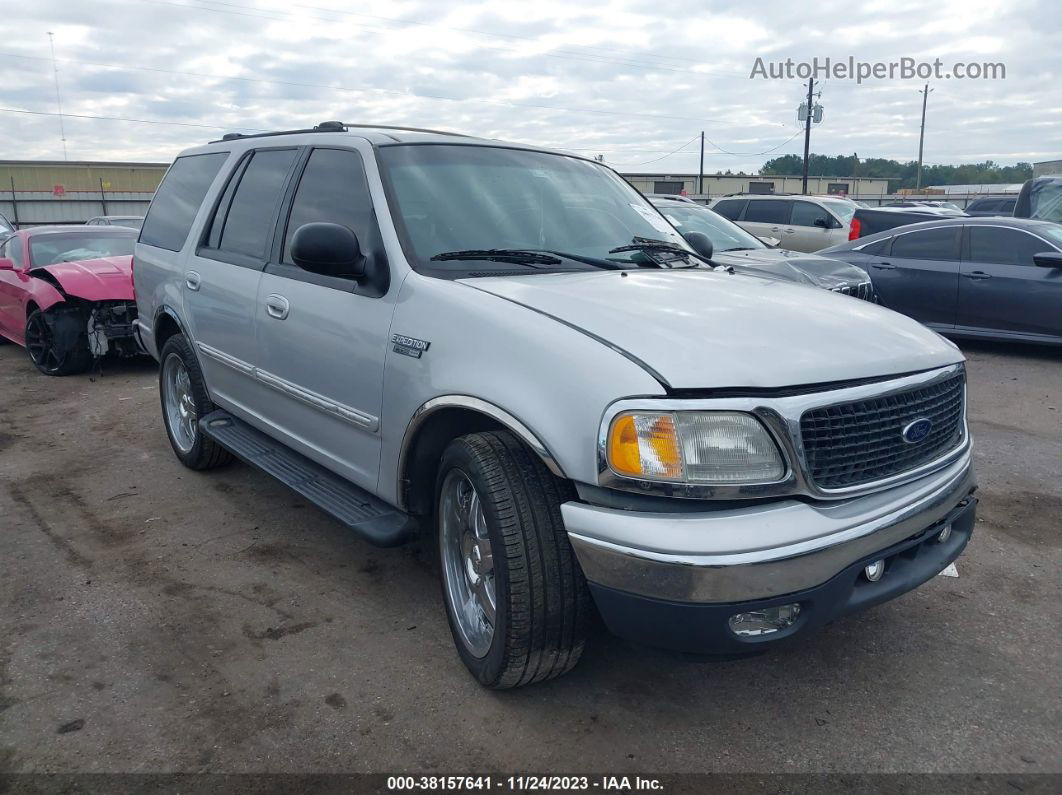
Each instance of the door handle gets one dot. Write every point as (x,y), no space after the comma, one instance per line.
(977,276)
(192,280)
(277,306)
(775,229)
(789,231)
(884,266)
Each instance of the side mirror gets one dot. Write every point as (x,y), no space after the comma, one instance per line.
(822,222)
(7,264)
(328,249)
(700,243)
(1048,259)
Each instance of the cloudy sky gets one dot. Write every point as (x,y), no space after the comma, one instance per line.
(633,80)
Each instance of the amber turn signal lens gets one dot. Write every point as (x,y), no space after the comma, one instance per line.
(645,445)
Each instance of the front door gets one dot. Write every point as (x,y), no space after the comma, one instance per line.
(919,276)
(322,340)
(1001,288)
(13,285)
(220,281)
(812,225)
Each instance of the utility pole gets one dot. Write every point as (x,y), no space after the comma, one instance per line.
(58,98)
(922,135)
(700,174)
(807,135)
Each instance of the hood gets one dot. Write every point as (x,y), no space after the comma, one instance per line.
(104,279)
(699,329)
(795,266)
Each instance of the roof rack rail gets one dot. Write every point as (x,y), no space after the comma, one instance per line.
(334,126)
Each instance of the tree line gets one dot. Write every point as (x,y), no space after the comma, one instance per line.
(900,175)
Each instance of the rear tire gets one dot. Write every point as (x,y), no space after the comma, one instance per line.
(503,549)
(47,356)
(185,400)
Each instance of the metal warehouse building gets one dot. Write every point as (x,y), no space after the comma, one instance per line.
(35,192)
(722,184)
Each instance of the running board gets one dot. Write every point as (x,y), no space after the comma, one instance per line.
(368,516)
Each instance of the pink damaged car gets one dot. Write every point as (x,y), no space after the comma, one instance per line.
(66,294)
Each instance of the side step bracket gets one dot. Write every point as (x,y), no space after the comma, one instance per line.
(364,513)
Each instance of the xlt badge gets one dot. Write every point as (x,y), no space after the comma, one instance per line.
(409,346)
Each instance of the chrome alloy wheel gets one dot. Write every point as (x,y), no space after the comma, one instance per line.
(181,415)
(467,562)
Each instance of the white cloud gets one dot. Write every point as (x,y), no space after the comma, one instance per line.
(632,79)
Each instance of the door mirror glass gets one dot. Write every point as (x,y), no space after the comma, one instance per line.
(1048,259)
(328,249)
(700,243)
(7,264)
(822,222)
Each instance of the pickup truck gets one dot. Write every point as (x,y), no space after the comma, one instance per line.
(871,220)
(510,352)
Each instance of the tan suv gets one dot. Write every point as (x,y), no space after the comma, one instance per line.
(800,223)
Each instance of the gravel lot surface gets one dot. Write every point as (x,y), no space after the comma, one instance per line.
(153,619)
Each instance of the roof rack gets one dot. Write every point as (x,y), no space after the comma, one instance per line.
(334,126)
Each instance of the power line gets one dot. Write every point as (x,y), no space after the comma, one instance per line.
(359,89)
(136,121)
(675,152)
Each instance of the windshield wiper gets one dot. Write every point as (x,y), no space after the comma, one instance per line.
(737,248)
(604,264)
(649,246)
(501,255)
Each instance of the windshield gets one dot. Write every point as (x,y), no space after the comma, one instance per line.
(842,209)
(447,197)
(54,248)
(725,235)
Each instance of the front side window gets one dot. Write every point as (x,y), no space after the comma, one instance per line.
(247,228)
(53,248)
(809,214)
(934,244)
(724,234)
(452,198)
(332,189)
(177,200)
(996,245)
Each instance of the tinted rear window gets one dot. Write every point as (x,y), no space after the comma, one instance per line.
(248,227)
(768,211)
(935,244)
(178,198)
(730,208)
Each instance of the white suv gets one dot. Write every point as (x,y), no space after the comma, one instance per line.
(799,223)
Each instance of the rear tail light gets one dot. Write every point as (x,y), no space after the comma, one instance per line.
(853,229)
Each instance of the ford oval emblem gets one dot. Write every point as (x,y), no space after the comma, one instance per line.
(917,431)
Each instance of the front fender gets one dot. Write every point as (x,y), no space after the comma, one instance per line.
(544,380)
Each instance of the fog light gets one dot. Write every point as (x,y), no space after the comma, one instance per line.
(764,622)
(874,570)
(944,534)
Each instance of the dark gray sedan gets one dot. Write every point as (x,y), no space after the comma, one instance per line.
(733,246)
(998,278)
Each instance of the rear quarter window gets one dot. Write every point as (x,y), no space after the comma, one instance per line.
(176,202)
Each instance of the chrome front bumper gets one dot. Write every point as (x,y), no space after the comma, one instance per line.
(754,552)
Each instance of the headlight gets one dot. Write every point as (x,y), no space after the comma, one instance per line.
(693,447)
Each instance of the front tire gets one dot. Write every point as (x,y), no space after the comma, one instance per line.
(184,401)
(50,355)
(515,596)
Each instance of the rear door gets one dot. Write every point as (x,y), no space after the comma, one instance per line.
(769,218)
(1001,289)
(322,340)
(221,280)
(919,274)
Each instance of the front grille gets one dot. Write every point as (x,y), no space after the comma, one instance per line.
(850,444)
(863,291)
